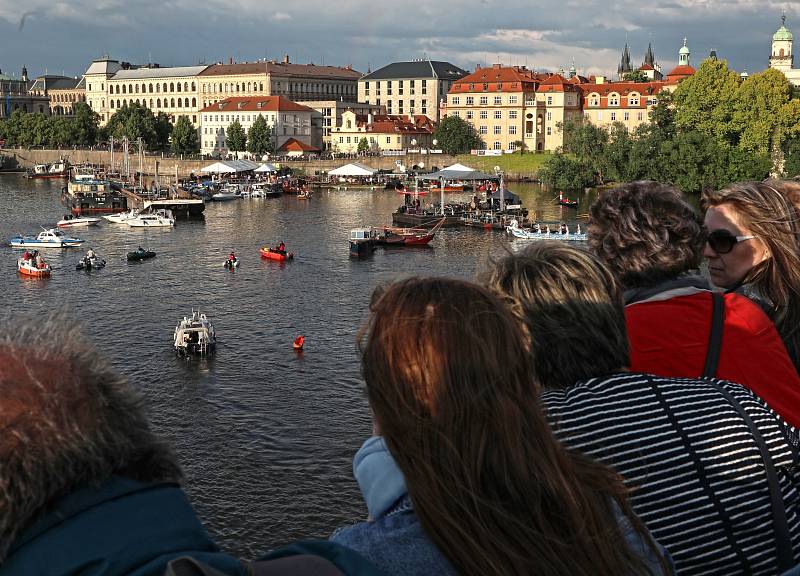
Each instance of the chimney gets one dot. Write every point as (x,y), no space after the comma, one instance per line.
(285,58)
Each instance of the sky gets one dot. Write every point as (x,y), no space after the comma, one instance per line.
(64,37)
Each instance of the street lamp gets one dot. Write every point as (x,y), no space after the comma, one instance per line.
(434,142)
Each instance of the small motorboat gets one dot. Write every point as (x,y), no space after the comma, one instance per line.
(298,342)
(71,221)
(121,217)
(28,267)
(231,264)
(48,238)
(90,263)
(150,221)
(272,254)
(362,242)
(304,195)
(225,196)
(140,254)
(195,335)
(566,201)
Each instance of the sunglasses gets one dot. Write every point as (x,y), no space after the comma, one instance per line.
(722,241)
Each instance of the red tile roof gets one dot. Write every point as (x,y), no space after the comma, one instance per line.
(623,88)
(646,67)
(283,69)
(294,145)
(395,124)
(680,72)
(499,79)
(251,104)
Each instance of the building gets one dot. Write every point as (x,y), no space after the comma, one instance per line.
(605,103)
(95,80)
(287,120)
(328,115)
(412,88)
(15,94)
(649,67)
(782,57)
(683,69)
(383,132)
(296,82)
(62,92)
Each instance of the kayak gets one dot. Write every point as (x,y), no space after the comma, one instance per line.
(138,255)
(271,254)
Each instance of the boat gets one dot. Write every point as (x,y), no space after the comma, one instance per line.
(58,169)
(298,342)
(93,197)
(90,263)
(395,236)
(150,221)
(47,238)
(449,188)
(566,201)
(304,195)
(231,264)
(195,335)
(266,190)
(29,268)
(140,254)
(362,242)
(70,221)
(272,254)
(225,196)
(544,234)
(121,217)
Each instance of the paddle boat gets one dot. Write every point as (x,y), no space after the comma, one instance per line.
(304,195)
(71,221)
(121,217)
(273,254)
(47,238)
(28,267)
(545,233)
(140,254)
(194,335)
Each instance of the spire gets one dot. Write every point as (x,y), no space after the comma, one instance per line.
(713,54)
(683,54)
(649,58)
(572,71)
(625,63)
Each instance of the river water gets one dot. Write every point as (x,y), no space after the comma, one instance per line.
(265,435)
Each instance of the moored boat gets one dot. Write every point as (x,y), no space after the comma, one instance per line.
(362,242)
(225,196)
(58,169)
(566,201)
(272,254)
(70,221)
(28,267)
(121,217)
(49,238)
(545,234)
(395,236)
(194,335)
(150,221)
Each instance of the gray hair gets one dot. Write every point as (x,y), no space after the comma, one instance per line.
(67,421)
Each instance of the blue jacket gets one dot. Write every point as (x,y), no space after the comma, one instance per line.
(393,538)
(123,527)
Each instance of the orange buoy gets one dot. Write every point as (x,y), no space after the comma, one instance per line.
(298,342)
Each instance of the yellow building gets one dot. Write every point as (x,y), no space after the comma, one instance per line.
(383,132)
(62,91)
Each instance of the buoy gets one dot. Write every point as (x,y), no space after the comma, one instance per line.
(298,342)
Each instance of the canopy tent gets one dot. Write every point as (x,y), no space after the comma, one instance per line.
(230,166)
(457,172)
(507,195)
(266,168)
(354,169)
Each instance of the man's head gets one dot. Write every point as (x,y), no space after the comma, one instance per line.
(67,421)
(645,232)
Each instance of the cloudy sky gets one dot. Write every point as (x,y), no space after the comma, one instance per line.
(543,34)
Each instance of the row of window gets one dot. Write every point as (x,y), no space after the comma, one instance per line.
(483,100)
(614,99)
(291,88)
(67,97)
(250,117)
(168,103)
(484,114)
(388,85)
(483,129)
(614,116)
(372,139)
(148,88)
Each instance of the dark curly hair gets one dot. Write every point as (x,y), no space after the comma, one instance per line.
(646,232)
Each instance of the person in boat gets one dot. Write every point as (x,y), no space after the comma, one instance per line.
(90,254)
(563,229)
(26,256)
(232,258)
(142,249)
(281,249)
(439,502)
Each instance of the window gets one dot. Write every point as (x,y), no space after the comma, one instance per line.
(469,114)
(484,100)
(498,114)
(640,116)
(613,99)
(600,115)
(498,130)
(456,114)
(549,116)
(424,88)
(485,86)
(498,100)
(366,88)
(594,99)
(484,114)
(549,100)
(549,131)
(341,139)
(388,139)
(512,129)
(512,114)
(470,101)
(483,130)
(633,99)
(613,116)
(512,99)
(456,101)
(512,146)
(389,87)
(400,87)
(497,146)
(424,106)
(626,116)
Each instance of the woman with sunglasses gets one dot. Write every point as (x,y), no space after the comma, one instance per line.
(753,247)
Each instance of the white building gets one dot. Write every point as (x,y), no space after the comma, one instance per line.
(287,120)
(781,57)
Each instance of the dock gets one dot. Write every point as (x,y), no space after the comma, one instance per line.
(182,204)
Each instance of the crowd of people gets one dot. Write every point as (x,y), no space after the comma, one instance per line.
(600,410)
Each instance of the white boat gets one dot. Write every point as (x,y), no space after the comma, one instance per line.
(225,196)
(49,238)
(28,267)
(544,234)
(70,221)
(121,217)
(150,221)
(195,335)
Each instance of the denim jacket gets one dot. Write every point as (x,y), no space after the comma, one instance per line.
(393,538)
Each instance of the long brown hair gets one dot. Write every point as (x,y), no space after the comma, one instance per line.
(452,388)
(771,216)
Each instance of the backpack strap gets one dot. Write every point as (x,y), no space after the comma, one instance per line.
(715,339)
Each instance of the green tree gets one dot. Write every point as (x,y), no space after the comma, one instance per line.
(235,138)
(363,145)
(184,137)
(756,117)
(86,122)
(457,136)
(163,130)
(635,76)
(587,142)
(791,153)
(136,121)
(616,158)
(259,137)
(563,172)
(63,131)
(521,146)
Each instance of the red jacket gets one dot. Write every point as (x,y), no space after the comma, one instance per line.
(669,333)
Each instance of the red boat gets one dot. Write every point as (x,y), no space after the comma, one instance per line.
(272,254)
(393,236)
(566,201)
(298,342)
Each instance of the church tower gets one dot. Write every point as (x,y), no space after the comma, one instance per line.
(782,58)
(625,63)
(683,54)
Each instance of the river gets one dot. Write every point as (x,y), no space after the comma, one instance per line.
(265,435)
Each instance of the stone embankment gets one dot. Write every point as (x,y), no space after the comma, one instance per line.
(167,165)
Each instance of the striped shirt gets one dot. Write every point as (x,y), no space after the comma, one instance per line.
(697,476)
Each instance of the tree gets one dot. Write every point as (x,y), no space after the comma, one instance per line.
(136,121)
(587,143)
(635,76)
(791,153)
(756,117)
(86,122)
(563,172)
(259,137)
(520,145)
(616,159)
(457,136)
(235,138)
(363,145)
(184,137)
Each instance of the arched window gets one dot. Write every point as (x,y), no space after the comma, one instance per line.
(261,86)
(172,87)
(186,103)
(781,53)
(123,89)
(178,86)
(158,101)
(136,88)
(613,99)
(192,86)
(118,104)
(237,87)
(594,99)
(130,88)
(633,99)
(179,102)
(172,102)
(194,102)
(165,87)
(150,88)
(151,103)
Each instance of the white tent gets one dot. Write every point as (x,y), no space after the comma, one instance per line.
(266,168)
(217,168)
(354,169)
(458,168)
(230,166)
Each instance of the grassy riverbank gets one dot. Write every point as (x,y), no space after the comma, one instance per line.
(514,165)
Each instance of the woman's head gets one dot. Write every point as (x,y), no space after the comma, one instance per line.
(571,307)
(645,232)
